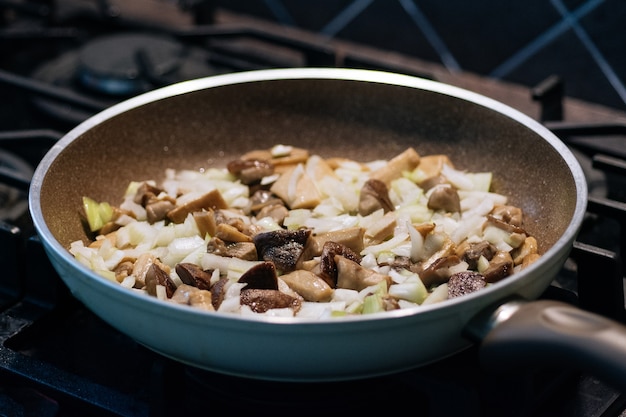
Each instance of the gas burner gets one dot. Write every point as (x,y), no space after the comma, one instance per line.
(13,201)
(114,67)
(128,64)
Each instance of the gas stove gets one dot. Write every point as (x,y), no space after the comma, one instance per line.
(65,61)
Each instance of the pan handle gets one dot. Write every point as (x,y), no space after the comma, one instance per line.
(520,333)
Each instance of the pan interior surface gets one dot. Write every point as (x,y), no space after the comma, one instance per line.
(355,119)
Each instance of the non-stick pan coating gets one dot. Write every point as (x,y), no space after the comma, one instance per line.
(355,119)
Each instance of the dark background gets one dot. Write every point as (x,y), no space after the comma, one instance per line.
(520,41)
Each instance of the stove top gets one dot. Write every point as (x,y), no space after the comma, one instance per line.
(65,61)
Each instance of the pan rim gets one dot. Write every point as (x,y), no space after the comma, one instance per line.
(381,77)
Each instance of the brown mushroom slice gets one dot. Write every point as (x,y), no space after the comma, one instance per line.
(157,210)
(250,171)
(218,292)
(374,196)
(192,296)
(352,276)
(351,237)
(381,229)
(141,267)
(201,299)
(231,233)
(277,212)
(308,285)
(262,198)
(297,189)
(123,269)
(501,224)
(500,266)
(146,191)
(525,250)
(465,282)
(328,266)
(471,252)
(211,200)
(432,165)
(282,247)
(509,214)
(262,300)
(529,259)
(438,271)
(446,198)
(181,295)
(280,156)
(396,166)
(261,276)
(205,221)
(242,250)
(194,275)
(157,276)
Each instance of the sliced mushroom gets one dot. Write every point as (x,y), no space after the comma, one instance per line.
(509,214)
(157,210)
(351,237)
(262,198)
(432,165)
(123,269)
(205,221)
(189,295)
(501,224)
(277,212)
(351,275)
(261,300)
(374,196)
(438,271)
(141,267)
(297,189)
(157,276)
(193,275)
(250,171)
(230,233)
(500,266)
(471,252)
(465,282)
(328,266)
(241,250)
(381,229)
(211,200)
(444,197)
(280,156)
(527,249)
(201,299)
(157,206)
(405,161)
(261,276)
(308,285)
(282,247)
(145,192)
(218,293)
(181,295)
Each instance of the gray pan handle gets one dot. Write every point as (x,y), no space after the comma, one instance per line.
(519,334)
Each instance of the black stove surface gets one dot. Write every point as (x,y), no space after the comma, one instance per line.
(59,359)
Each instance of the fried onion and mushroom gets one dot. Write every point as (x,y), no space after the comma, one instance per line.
(281,231)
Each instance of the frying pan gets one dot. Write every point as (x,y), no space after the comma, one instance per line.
(364,115)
